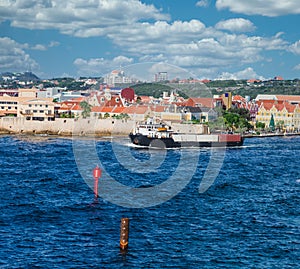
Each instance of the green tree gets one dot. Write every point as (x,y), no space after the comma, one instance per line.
(106,115)
(260,125)
(218,124)
(231,119)
(280,125)
(87,108)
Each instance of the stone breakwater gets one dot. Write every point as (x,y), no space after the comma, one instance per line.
(67,127)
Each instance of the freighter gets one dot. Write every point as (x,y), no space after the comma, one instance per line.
(161,135)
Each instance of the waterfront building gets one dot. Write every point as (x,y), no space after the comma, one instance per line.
(8,106)
(36,109)
(10,92)
(286,115)
(27,105)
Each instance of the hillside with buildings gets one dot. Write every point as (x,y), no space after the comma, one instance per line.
(176,101)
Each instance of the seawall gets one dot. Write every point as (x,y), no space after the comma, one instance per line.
(66,127)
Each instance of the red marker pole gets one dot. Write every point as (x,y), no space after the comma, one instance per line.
(96,174)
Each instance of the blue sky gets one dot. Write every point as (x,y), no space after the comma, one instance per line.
(222,39)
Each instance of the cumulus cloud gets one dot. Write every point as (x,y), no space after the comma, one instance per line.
(190,45)
(243,74)
(295,48)
(39,47)
(194,46)
(144,32)
(100,66)
(202,3)
(236,25)
(270,8)
(13,57)
(297,67)
(78,17)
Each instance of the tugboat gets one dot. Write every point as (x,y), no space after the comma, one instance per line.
(161,135)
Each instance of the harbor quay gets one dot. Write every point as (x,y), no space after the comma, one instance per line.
(80,127)
(66,127)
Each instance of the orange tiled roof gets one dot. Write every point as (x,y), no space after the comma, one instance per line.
(77,107)
(204,102)
(135,109)
(118,109)
(96,109)
(107,109)
(290,98)
(279,105)
(238,98)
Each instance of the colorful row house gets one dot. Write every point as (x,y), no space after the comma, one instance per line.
(285,114)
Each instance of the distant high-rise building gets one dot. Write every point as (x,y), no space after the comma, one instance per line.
(161,76)
(117,77)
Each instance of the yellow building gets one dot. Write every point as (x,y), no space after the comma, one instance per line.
(227,100)
(286,115)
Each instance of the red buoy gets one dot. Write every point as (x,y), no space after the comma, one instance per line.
(97,174)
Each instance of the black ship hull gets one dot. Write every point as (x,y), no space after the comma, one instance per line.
(145,141)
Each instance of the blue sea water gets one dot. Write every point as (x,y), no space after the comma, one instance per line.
(248,218)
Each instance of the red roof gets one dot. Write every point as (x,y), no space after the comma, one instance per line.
(279,105)
(118,110)
(135,109)
(77,107)
(96,109)
(290,98)
(201,102)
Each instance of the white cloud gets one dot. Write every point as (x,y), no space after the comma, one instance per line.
(192,45)
(53,44)
(270,8)
(202,3)
(100,66)
(39,47)
(247,73)
(295,48)
(143,32)
(13,57)
(297,67)
(236,25)
(77,17)
(183,45)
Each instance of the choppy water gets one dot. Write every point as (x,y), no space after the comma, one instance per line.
(248,218)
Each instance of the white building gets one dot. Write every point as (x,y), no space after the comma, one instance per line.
(116,77)
(161,76)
